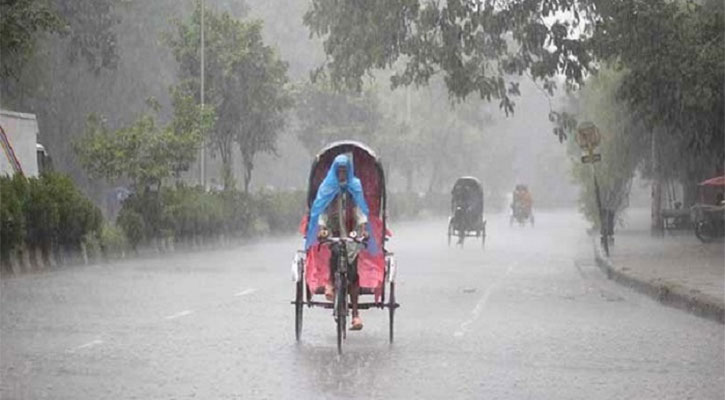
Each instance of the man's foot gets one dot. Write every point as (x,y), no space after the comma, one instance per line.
(356,324)
(329,292)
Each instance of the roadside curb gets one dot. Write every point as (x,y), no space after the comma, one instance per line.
(669,294)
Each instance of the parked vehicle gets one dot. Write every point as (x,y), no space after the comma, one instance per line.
(709,213)
(19,141)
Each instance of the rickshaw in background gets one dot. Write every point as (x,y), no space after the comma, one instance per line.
(310,268)
(708,216)
(466,218)
(522,206)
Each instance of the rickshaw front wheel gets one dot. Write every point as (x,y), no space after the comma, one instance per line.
(299,309)
(703,231)
(391,310)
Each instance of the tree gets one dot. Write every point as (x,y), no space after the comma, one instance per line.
(244,81)
(86,24)
(624,146)
(326,115)
(674,67)
(473,44)
(671,50)
(143,152)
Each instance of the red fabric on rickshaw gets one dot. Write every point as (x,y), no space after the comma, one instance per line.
(370,268)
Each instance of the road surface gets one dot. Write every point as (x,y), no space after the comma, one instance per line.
(528,318)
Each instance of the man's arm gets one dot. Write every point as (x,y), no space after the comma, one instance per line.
(361,221)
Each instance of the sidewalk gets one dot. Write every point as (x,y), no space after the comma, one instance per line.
(677,269)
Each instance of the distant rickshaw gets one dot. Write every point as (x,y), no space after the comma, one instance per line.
(466,218)
(522,206)
(709,214)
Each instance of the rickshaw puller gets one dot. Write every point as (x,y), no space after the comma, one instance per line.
(338,189)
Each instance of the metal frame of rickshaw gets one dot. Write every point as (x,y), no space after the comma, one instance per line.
(481,231)
(303,294)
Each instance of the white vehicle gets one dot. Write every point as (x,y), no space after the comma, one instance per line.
(21,152)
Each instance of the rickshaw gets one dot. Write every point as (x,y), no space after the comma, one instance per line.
(310,268)
(466,218)
(709,214)
(520,209)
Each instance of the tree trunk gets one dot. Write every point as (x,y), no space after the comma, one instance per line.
(225,151)
(656,210)
(248,167)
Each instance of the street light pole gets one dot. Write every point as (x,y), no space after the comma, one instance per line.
(202,160)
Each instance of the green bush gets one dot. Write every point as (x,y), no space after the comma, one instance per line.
(112,241)
(45,212)
(281,211)
(133,226)
(13,192)
(185,213)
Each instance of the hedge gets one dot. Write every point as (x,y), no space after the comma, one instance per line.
(47,213)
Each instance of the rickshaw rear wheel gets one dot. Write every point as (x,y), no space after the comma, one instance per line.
(391,311)
(299,308)
(450,232)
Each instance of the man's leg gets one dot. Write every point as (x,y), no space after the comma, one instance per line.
(329,287)
(354,289)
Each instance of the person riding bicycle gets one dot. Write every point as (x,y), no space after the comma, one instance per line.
(340,210)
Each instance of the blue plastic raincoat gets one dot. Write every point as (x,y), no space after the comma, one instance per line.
(328,190)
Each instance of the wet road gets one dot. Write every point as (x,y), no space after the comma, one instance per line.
(528,318)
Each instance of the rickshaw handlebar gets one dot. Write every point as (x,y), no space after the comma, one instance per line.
(335,239)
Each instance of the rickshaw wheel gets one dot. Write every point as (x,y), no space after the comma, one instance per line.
(391,310)
(450,232)
(703,232)
(341,315)
(299,308)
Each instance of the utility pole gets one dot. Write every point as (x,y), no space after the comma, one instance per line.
(202,160)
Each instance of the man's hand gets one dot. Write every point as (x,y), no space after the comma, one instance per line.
(364,231)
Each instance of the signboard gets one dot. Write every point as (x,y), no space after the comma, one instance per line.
(588,136)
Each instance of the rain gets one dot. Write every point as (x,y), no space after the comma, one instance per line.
(344,199)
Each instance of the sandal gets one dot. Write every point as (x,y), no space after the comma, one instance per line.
(357,324)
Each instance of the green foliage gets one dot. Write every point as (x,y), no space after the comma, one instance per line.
(132,224)
(44,212)
(144,153)
(112,240)
(13,192)
(281,211)
(20,22)
(85,24)
(327,115)
(77,215)
(469,43)
(674,84)
(185,213)
(244,81)
(623,147)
